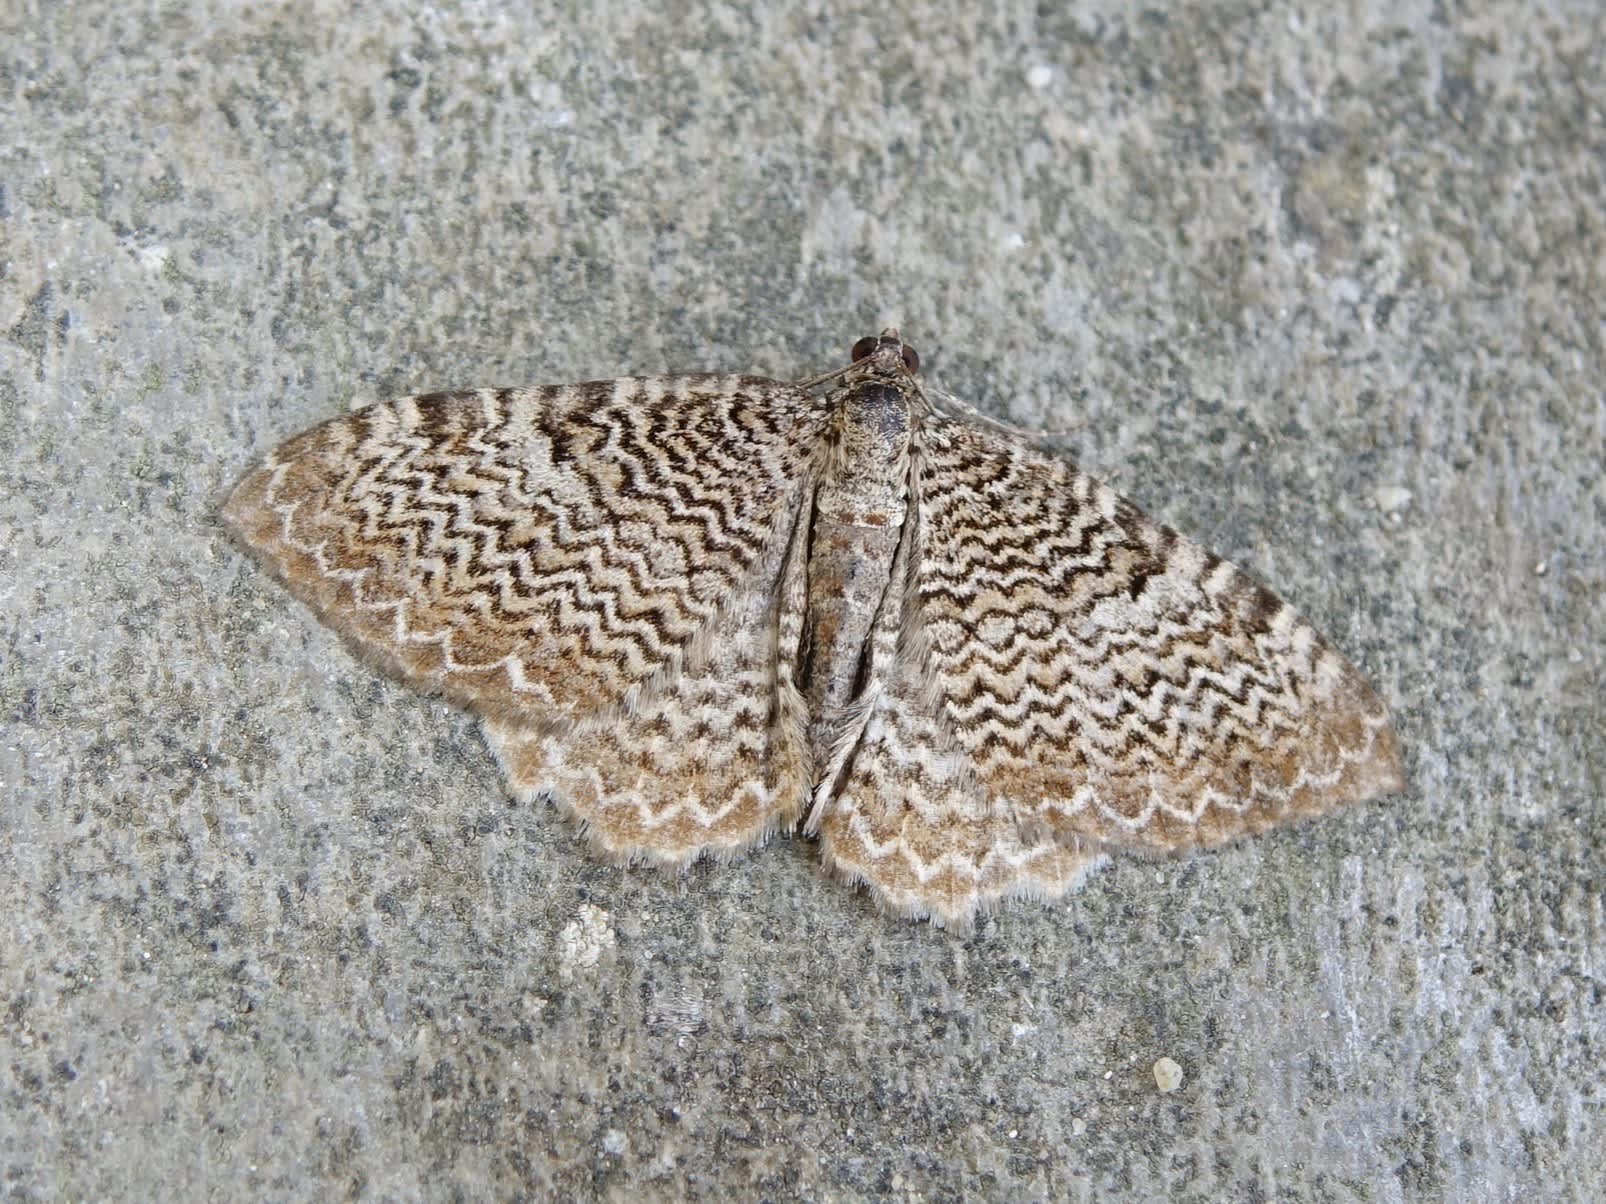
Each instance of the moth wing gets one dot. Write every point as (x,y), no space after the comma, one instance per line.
(912,824)
(709,763)
(538,555)
(900,809)
(1109,681)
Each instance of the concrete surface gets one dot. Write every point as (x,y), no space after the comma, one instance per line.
(1320,284)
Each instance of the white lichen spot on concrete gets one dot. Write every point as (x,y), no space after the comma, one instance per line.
(1167,1075)
(1391,498)
(582,941)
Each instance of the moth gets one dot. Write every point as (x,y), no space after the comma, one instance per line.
(696,611)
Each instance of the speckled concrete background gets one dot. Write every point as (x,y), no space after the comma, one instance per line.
(1324,291)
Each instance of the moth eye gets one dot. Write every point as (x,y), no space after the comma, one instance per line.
(863,348)
(911,359)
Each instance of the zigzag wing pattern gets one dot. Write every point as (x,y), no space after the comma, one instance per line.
(538,555)
(907,817)
(1112,682)
(911,823)
(710,763)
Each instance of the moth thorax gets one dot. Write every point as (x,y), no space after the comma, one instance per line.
(875,423)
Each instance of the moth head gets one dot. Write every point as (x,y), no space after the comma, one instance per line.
(887,346)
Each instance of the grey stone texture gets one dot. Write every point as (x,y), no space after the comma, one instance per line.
(1319,284)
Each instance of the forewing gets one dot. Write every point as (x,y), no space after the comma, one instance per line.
(537,554)
(1110,681)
